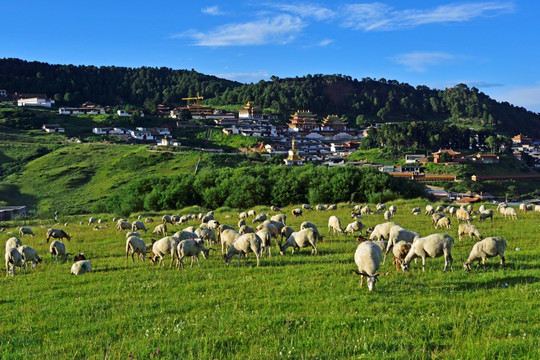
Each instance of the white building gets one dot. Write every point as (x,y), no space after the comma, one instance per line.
(78,111)
(53,128)
(35,101)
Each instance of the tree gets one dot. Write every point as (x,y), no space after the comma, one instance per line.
(491,142)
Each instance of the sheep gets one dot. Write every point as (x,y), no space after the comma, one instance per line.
(100,227)
(259,218)
(523,207)
(242,245)
(210,213)
(206,234)
(135,245)
(252,213)
(416,211)
(380,207)
(481,208)
(401,249)
(133,233)
(138,225)
(191,248)
(382,231)
(245,229)
(58,249)
(334,224)
(484,214)
(396,235)
(300,239)
(160,229)
(242,216)
(184,235)
(285,233)
(25,230)
(436,217)
(226,238)
(443,223)
(489,247)
(223,227)
(387,215)
(13,258)
(80,256)
(275,208)
(91,220)
(429,210)
(320,207)
(306,225)
(166,219)
(164,246)
(148,220)
(266,241)
(393,210)
(470,208)
(139,217)
(123,225)
(81,267)
(354,226)
(434,245)
(306,207)
(365,210)
(213,224)
(190,229)
(241,223)
(331,207)
(439,208)
(207,218)
(13,243)
(368,258)
(297,212)
(470,230)
(271,228)
(536,208)
(464,215)
(277,224)
(29,254)
(57,234)
(510,212)
(282,218)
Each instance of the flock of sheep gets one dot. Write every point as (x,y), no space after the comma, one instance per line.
(406,245)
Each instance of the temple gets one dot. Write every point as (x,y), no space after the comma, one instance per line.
(293,158)
(333,123)
(250,111)
(303,121)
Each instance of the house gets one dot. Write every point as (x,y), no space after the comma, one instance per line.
(128,113)
(303,120)
(453,156)
(40,101)
(3,93)
(168,142)
(141,134)
(53,128)
(8,212)
(414,158)
(250,111)
(483,158)
(81,110)
(521,139)
(101,131)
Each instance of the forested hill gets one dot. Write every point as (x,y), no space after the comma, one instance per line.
(360,101)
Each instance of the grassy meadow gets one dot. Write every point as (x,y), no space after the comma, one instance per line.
(292,307)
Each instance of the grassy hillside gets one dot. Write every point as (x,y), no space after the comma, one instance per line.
(295,306)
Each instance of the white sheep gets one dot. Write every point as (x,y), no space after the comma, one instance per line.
(242,245)
(536,208)
(271,228)
(58,249)
(366,210)
(439,208)
(243,215)
(275,208)
(354,226)
(252,213)
(392,209)
(191,248)
(380,207)
(160,229)
(123,225)
(334,224)
(166,219)
(462,214)
(310,225)
(185,235)
(484,214)
(489,247)
(331,207)
(436,217)
(387,215)
(429,210)
(266,239)
(285,233)
(320,207)
(13,242)
(135,245)
(382,231)
(259,218)
(57,234)
(213,224)
(434,245)
(278,224)
(396,235)
(301,239)
(81,267)
(297,212)
(25,230)
(511,213)
(226,238)
(29,255)
(138,225)
(306,207)
(246,229)
(133,233)
(282,218)
(416,211)
(443,223)
(13,258)
(91,220)
(164,246)
(368,257)
(469,230)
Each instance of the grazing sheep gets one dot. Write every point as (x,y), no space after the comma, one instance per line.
(58,249)
(206,234)
(213,224)
(439,208)
(310,225)
(463,215)
(481,208)
(306,207)
(80,256)
(242,215)
(536,208)
(484,214)
(57,234)
(380,207)
(275,208)
(91,220)
(25,230)
(501,207)
(241,223)
(123,225)
(271,228)
(224,227)
(452,211)
(354,226)
(266,241)
(148,220)
(381,243)
(285,233)
(443,223)
(401,249)
(416,211)
(320,207)
(469,230)
(81,267)
(207,218)
(259,218)
(282,218)
(365,210)
(297,212)
(436,217)
(331,207)
(470,208)
(368,257)
(190,229)
(29,254)
(382,231)
(13,243)
(139,217)
(191,248)
(398,234)
(164,246)
(300,239)
(184,235)
(138,225)
(489,247)
(251,213)
(160,229)
(393,210)
(510,212)
(434,245)
(387,215)
(245,229)
(429,210)
(277,224)
(135,245)
(13,258)
(226,238)
(242,245)
(133,233)
(523,207)
(100,227)
(166,219)
(334,224)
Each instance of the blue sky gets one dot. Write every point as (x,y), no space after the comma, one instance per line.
(492,45)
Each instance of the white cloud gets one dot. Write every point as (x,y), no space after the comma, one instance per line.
(325,42)
(280,29)
(212,10)
(306,10)
(381,17)
(419,61)
(245,77)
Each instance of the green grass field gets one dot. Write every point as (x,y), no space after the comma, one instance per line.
(292,307)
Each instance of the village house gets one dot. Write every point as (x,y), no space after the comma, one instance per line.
(129,113)
(53,128)
(454,156)
(8,212)
(81,111)
(39,100)
(168,142)
(414,158)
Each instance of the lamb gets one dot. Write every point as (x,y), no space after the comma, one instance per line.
(226,238)
(13,258)
(275,208)
(306,225)
(242,245)
(334,224)
(29,254)
(510,212)
(464,215)
(489,247)
(285,233)
(282,218)
(160,229)
(13,243)
(393,210)
(138,225)
(434,245)
(57,234)
(429,210)
(416,211)
(164,246)
(387,215)
(398,234)
(259,218)
(81,267)
(484,214)
(382,231)
(300,239)
(245,229)
(166,219)
(58,249)
(443,223)
(266,241)
(306,207)
(354,226)
(470,230)
(135,245)
(133,233)
(297,212)
(191,248)
(25,230)
(401,249)
(123,225)
(368,257)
